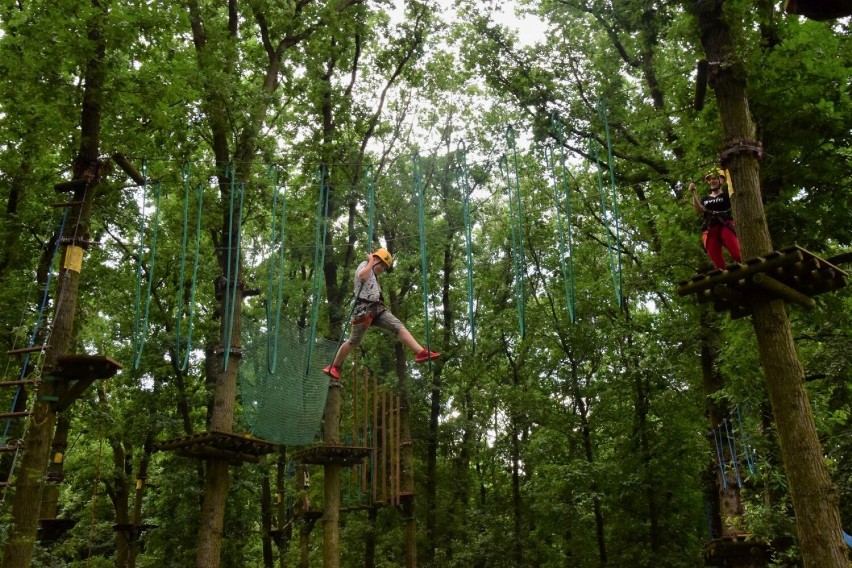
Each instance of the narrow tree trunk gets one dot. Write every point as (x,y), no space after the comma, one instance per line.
(331,481)
(266,521)
(407,483)
(815,499)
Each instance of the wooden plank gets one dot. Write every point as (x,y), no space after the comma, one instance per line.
(93,367)
(782,291)
(32,349)
(21,414)
(18,383)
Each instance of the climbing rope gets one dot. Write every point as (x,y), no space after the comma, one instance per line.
(565,233)
(461,174)
(232,271)
(275,284)
(140,320)
(607,213)
(417,178)
(516,222)
(319,257)
(183,360)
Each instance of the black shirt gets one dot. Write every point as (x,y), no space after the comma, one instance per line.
(717,209)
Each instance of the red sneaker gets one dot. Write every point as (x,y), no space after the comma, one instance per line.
(332,371)
(425,355)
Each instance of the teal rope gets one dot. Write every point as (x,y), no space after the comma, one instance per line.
(183,361)
(516,221)
(319,258)
(594,150)
(417,178)
(273,302)
(233,269)
(461,156)
(140,323)
(565,232)
(601,108)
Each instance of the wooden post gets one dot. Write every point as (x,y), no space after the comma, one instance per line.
(331,483)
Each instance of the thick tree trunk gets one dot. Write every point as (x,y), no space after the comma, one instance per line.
(409,545)
(20,540)
(814,497)
(331,481)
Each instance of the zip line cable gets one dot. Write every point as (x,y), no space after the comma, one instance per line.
(183,361)
(461,175)
(232,269)
(274,293)
(140,320)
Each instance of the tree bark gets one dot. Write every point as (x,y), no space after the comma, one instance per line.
(815,499)
(18,548)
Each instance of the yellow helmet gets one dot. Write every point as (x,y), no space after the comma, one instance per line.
(715,173)
(384,256)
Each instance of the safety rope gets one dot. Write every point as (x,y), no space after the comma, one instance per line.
(607,214)
(417,178)
(183,360)
(565,232)
(516,222)
(140,320)
(369,184)
(276,272)
(462,174)
(232,270)
(37,327)
(616,272)
(319,258)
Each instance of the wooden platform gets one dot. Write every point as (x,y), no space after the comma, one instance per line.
(792,274)
(236,448)
(738,550)
(331,454)
(78,372)
(50,530)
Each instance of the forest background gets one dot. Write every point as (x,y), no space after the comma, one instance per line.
(580,443)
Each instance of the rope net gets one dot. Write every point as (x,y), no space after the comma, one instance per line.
(284,402)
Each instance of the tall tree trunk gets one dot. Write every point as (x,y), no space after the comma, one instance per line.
(20,541)
(409,520)
(331,481)
(815,499)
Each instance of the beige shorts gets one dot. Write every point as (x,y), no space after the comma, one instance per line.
(382,318)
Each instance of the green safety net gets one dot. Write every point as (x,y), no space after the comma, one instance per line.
(285,406)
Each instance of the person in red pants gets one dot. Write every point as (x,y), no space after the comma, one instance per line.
(370,311)
(718,227)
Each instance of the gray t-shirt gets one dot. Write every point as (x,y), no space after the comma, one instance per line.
(370,291)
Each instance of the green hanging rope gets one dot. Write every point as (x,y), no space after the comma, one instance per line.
(319,258)
(140,320)
(274,292)
(461,172)
(417,178)
(614,258)
(369,184)
(565,232)
(183,360)
(516,216)
(233,268)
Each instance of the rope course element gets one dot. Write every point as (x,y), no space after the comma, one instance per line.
(609,214)
(25,364)
(516,216)
(733,458)
(232,272)
(462,177)
(275,283)
(371,206)
(140,319)
(417,179)
(319,256)
(183,360)
(565,233)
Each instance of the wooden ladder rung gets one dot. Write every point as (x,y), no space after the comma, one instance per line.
(18,383)
(23,350)
(21,414)
(10,448)
(67,204)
